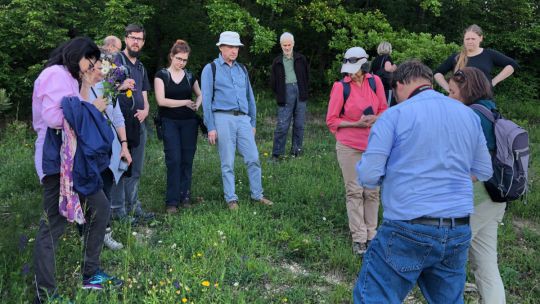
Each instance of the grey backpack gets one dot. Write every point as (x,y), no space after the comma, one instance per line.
(511,159)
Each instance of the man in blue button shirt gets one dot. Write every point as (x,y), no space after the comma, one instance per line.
(230,115)
(425,153)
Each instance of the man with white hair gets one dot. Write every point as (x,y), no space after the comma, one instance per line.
(112,44)
(230,115)
(289,80)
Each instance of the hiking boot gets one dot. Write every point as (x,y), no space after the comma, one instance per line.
(100,280)
(171,210)
(359,248)
(111,243)
(264,201)
(186,203)
(233,205)
(143,215)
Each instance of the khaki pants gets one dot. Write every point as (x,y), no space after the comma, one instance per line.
(483,252)
(362,204)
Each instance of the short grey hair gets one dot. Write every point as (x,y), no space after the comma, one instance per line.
(111,40)
(384,48)
(286,36)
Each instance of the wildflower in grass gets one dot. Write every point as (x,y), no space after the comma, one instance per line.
(205,283)
(161,283)
(134,233)
(178,292)
(216,285)
(30,240)
(173,246)
(284,300)
(176,284)
(199,254)
(25,270)
(184,300)
(324,218)
(23,241)
(236,284)
(265,154)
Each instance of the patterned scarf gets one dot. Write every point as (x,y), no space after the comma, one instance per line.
(69,203)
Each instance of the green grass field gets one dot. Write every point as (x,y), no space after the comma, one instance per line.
(297,251)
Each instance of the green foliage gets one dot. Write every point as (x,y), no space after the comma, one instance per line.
(5,103)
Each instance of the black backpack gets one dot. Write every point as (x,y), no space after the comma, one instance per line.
(382,73)
(510,160)
(347,91)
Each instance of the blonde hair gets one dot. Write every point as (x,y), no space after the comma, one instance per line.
(462,57)
(384,48)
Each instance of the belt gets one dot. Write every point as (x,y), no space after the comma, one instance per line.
(440,221)
(233,112)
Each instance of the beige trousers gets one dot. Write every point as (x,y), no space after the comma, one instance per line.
(483,251)
(362,204)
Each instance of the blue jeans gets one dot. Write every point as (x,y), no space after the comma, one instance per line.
(179,145)
(236,132)
(125,194)
(294,109)
(402,254)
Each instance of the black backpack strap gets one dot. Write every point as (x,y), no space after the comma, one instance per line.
(346,93)
(213,66)
(189,77)
(372,84)
(485,111)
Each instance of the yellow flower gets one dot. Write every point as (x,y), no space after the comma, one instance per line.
(265,154)
(216,285)
(114,66)
(199,254)
(205,283)
(184,300)
(129,93)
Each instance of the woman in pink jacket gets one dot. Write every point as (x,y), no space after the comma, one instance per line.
(355,103)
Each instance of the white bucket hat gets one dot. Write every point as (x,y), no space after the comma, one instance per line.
(229,38)
(353,60)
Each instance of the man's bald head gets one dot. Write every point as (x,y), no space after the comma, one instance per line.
(112,44)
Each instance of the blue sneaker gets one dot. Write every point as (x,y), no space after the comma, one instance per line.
(101,280)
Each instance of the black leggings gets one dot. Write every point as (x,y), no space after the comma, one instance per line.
(52,225)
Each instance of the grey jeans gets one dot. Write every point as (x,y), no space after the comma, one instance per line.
(295,110)
(125,194)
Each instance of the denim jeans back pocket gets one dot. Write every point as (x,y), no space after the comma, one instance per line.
(457,255)
(405,254)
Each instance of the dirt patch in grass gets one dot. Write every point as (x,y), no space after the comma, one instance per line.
(522,223)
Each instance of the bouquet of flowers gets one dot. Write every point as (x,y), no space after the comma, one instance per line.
(113,76)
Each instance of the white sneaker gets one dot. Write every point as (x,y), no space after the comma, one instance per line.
(111,243)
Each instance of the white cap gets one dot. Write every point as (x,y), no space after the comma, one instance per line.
(354,52)
(229,38)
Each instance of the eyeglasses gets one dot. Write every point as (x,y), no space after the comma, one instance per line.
(181,59)
(353,59)
(92,64)
(459,76)
(135,38)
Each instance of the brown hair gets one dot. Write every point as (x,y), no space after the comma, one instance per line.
(410,71)
(180,46)
(462,57)
(473,85)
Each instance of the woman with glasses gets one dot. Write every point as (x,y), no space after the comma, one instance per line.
(174,88)
(355,103)
(55,146)
(472,55)
(470,86)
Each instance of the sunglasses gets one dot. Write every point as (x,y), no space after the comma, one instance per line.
(353,60)
(459,76)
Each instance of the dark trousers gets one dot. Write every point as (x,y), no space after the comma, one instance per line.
(52,225)
(179,145)
(295,110)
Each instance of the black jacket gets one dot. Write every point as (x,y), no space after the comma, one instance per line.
(277,77)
